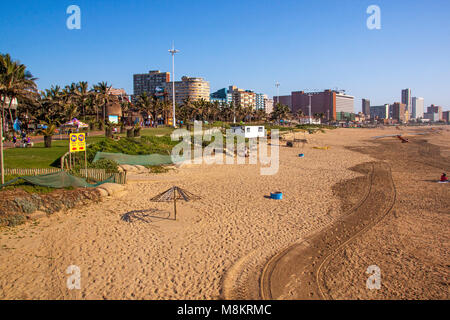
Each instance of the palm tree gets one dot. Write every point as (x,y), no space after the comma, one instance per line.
(71,99)
(166,109)
(149,105)
(48,134)
(260,115)
(15,83)
(226,111)
(53,105)
(102,90)
(189,108)
(83,95)
(183,113)
(215,110)
(280,112)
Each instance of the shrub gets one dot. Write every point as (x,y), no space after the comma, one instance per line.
(109,165)
(144,146)
(157,169)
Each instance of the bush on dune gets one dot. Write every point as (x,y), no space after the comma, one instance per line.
(143,146)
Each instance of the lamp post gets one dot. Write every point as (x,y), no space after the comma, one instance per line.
(173,51)
(310,119)
(278,92)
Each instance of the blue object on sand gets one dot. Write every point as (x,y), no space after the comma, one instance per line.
(276,196)
(301,155)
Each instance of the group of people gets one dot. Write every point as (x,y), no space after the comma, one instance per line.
(26,140)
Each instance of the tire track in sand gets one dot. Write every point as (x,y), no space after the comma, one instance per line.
(297,272)
(243,280)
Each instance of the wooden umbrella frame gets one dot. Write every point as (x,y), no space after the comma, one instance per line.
(173,194)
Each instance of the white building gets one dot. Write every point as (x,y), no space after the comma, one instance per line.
(249,131)
(344,103)
(259,101)
(307,120)
(268,105)
(417,108)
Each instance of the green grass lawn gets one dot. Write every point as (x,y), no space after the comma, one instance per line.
(39,156)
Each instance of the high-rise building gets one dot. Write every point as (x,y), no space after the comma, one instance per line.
(379,112)
(284,100)
(222,96)
(193,88)
(150,83)
(399,112)
(268,105)
(407,100)
(243,98)
(260,99)
(417,108)
(446,116)
(328,102)
(366,107)
(434,113)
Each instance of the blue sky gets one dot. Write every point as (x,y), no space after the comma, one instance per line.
(252,44)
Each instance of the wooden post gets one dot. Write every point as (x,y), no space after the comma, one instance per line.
(2,167)
(70,160)
(85,162)
(175,202)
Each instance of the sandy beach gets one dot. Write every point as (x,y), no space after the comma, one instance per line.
(220,244)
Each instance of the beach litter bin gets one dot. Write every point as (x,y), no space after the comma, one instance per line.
(276,196)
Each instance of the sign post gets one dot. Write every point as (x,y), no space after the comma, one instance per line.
(77,143)
(2,168)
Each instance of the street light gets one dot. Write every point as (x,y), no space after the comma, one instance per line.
(278,92)
(310,119)
(173,51)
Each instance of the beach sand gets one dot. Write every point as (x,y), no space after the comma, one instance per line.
(219,245)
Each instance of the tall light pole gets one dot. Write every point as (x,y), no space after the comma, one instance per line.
(173,51)
(234,113)
(278,92)
(310,119)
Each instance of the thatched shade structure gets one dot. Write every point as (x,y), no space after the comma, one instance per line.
(174,194)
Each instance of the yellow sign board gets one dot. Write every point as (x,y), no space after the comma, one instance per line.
(77,142)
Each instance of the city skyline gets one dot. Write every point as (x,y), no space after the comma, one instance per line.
(285,50)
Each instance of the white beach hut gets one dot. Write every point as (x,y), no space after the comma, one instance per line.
(249,131)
